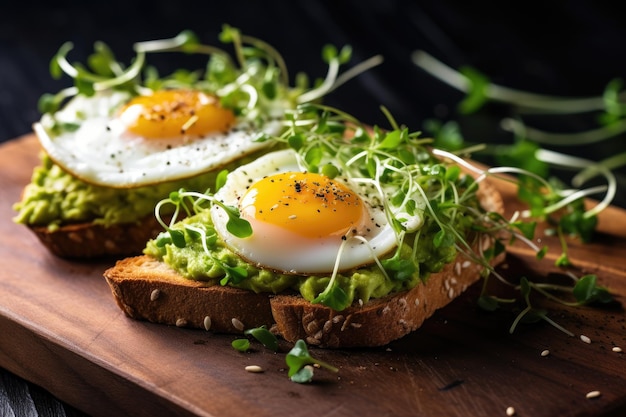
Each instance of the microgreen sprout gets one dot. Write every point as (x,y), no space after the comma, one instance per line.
(429,197)
(254,84)
(261,334)
(299,361)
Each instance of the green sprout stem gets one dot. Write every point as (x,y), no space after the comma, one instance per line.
(525,100)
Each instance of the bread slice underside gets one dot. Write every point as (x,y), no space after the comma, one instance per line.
(93,240)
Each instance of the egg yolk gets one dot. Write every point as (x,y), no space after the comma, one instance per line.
(175,113)
(310,205)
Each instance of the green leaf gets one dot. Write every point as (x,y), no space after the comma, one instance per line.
(522,155)
(295,141)
(392,140)
(330,170)
(304,375)
(443,239)
(220,179)
(178,238)
(329,52)
(542,252)
(400,269)
(534,315)
(242,345)
(527,228)
(228,34)
(586,291)
(334,297)
(236,225)
(488,303)
(525,287)
(575,223)
(234,274)
(298,357)
(84,87)
(313,157)
(345,54)
(163,239)
(264,336)
(477,95)
(47,103)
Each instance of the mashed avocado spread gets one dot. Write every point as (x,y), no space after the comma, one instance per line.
(192,262)
(54,198)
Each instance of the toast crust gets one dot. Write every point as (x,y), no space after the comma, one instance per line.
(92,240)
(147,289)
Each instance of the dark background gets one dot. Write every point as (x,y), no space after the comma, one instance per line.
(566,48)
(569,48)
(563,48)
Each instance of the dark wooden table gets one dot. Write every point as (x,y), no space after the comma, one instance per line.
(451,361)
(60,329)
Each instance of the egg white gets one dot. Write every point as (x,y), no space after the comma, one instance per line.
(274,248)
(100,151)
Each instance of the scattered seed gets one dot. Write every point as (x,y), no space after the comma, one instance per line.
(155,294)
(510,411)
(237,324)
(593,394)
(585,339)
(617,349)
(207,323)
(181,322)
(545,352)
(254,369)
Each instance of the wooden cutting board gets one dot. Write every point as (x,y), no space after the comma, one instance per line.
(60,328)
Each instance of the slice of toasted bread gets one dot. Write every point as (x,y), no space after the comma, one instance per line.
(92,240)
(148,289)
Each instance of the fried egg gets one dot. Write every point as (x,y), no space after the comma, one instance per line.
(113,139)
(302,222)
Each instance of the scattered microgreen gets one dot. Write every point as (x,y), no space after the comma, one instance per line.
(547,198)
(299,360)
(254,83)
(242,345)
(261,334)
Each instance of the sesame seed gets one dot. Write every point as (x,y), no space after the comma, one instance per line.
(466,264)
(593,394)
(237,324)
(617,349)
(181,322)
(154,294)
(545,352)
(585,339)
(254,369)
(207,323)
(510,411)
(451,293)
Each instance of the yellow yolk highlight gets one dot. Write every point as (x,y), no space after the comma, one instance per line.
(310,205)
(175,113)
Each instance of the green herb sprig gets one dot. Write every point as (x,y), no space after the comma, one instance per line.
(254,83)
(301,363)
